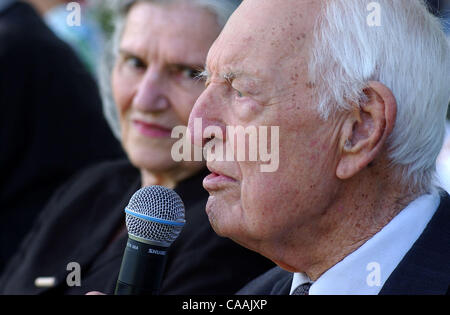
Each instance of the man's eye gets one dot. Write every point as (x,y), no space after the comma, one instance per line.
(239,94)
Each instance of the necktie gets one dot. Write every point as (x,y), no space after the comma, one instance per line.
(302,289)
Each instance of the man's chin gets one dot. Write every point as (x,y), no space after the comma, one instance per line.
(219,215)
(211,211)
(217,210)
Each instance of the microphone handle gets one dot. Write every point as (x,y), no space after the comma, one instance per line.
(142,269)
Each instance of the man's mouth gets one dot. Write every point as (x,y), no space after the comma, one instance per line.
(216,180)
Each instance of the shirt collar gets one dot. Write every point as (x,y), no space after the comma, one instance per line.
(365,271)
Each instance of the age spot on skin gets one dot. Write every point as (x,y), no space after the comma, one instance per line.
(310,85)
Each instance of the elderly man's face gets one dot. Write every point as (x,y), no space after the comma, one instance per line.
(264,53)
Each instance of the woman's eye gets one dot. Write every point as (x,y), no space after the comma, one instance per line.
(184,72)
(190,73)
(135,62)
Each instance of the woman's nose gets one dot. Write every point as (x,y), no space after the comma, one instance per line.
(151,95)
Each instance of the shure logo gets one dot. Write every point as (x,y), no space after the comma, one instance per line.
(158,252)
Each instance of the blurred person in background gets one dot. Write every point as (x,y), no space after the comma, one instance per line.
(159,48)
(85,37)
(51,124)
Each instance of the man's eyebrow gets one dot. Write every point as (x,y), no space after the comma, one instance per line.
(206,75)
(228,76)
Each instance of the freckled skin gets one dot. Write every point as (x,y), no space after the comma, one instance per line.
(302,216)
(275,108)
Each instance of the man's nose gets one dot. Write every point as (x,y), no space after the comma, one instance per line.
(206,114)
(151,95)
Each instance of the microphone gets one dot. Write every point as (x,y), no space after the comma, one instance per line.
(154,219)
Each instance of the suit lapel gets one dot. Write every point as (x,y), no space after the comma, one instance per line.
(425,269)
(283,286)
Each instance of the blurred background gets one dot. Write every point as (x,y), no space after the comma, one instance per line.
(97,27)
(89,38)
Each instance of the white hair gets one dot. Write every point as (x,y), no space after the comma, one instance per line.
(408,53)
(222,9)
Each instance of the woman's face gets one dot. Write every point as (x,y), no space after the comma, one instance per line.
(154,82)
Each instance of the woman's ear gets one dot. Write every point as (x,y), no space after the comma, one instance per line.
(366,129)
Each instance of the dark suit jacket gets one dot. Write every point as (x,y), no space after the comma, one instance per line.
(434,6)
(51,121)
(82,219)
(425,269)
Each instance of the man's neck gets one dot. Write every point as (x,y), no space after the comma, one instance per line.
(359,211)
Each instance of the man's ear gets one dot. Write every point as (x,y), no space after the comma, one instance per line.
(366,130)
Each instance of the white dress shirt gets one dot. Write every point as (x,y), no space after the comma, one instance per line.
(365,271)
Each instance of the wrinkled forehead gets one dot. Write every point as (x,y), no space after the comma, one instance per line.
(262,34)
(181,27)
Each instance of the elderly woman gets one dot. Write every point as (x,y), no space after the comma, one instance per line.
(159,50)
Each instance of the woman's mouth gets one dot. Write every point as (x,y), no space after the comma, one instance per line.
(152,130)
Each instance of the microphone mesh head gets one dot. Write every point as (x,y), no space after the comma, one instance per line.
(155,215)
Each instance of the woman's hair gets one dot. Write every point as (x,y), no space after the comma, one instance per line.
(409,53)
(222,9)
